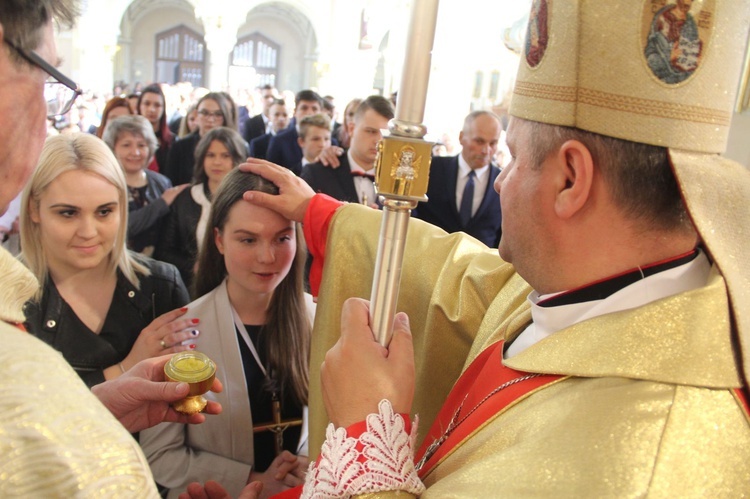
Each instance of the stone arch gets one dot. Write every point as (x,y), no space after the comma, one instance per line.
(180,56)
(288,25)
(140,22)
(254,62)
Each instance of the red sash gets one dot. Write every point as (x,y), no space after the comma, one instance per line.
(741,395)
(485,374)
(18,325)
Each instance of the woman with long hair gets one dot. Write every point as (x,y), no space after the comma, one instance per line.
(189,122)
(256,326)
(103,307)
(343,132)
(218,152)
(115,107)
(214,110)
(150,194)
(152,105)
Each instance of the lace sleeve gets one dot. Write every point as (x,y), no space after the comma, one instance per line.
(375,457)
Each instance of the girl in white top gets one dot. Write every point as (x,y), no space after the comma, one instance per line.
(256,322)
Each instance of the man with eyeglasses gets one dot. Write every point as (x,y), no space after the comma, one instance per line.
(56,439)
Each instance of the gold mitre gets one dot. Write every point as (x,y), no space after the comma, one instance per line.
(660,72)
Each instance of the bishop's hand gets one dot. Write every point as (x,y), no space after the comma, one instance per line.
(294,193)
(358,372)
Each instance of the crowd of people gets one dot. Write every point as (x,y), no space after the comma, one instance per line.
(575,323)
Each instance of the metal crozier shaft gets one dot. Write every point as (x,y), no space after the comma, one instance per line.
(402,168)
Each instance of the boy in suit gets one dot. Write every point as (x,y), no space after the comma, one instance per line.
(353,180)
(314,136)
(283,149)
(279,121)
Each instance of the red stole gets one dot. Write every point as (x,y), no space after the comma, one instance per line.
(485,374)
(18,325)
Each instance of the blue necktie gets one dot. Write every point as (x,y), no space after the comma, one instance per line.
(467,200)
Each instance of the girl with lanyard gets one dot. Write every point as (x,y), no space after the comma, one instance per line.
(255,324)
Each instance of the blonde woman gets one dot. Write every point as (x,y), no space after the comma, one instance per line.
(103,307)
(189,122)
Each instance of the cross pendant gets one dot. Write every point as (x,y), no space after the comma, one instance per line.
(439,441)
(277,426)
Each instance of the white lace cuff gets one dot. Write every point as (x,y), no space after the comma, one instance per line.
(380,459)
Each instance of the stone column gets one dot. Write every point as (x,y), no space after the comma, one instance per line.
(220,24)
(96,43)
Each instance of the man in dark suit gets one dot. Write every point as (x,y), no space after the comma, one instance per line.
(329,107)
(258,125)
(283,148)
(353,180)
(279,121)
(460,194)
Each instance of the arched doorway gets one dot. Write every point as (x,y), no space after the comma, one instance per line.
(141,25)
(180,56)
(254,62)
(287,42)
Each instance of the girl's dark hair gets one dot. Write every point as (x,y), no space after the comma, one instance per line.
(163,134)
(232,140)
(287,328)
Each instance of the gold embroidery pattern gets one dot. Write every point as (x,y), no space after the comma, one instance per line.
(629,104)
(552,92)
(653,107)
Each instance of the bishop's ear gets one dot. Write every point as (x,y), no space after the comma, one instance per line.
(576,170)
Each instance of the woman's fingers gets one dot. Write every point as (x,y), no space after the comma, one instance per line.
(166,318)
(174,336)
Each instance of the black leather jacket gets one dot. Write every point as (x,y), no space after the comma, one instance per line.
(54,322)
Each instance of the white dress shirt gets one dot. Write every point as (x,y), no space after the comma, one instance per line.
(364,186)
(268,123)
(480,183)
(549,320)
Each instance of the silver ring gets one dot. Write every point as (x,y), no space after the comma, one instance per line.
(163,344)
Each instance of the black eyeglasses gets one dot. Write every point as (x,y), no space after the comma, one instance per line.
(208,114)
(60,92)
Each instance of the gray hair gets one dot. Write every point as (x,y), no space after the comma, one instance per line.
(135,124)
(472,117)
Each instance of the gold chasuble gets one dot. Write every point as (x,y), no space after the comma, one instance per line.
(56,438)
(645,403)
(652,386)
